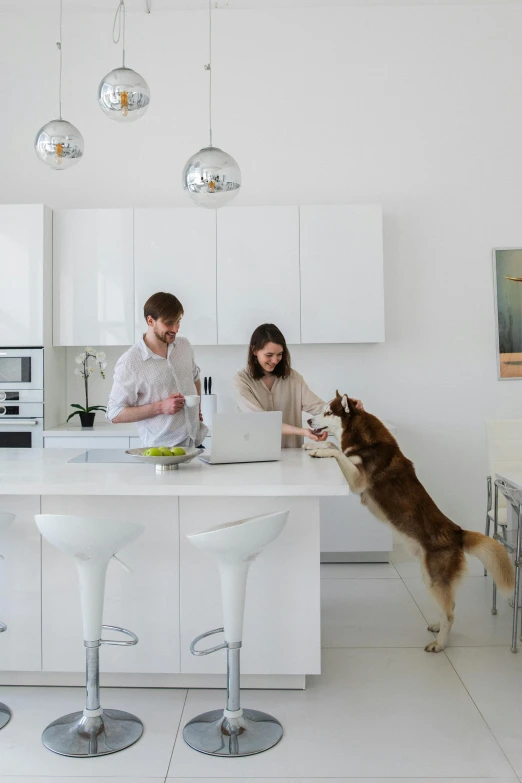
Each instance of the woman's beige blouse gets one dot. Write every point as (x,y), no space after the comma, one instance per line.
(290,395)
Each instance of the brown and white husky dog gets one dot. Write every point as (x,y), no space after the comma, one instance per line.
(377,470)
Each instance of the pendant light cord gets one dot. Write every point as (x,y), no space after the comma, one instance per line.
(210,70)
(59,46)
(119,19)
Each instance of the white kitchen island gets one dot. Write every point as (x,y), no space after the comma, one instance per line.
(172,594)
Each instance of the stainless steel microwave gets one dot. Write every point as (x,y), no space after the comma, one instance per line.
(21,369)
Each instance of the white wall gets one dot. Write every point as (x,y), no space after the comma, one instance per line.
(415,107)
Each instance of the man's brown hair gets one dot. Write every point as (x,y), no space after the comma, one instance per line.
(164,306)
(268,333)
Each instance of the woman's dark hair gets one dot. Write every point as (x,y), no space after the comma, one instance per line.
(164,306)
(268,333)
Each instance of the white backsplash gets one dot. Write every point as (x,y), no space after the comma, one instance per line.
(219,362)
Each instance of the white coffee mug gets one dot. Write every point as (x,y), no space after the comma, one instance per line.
(191,400)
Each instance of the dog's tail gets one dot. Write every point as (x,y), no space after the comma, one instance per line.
(494,557)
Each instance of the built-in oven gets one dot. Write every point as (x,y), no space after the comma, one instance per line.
(21,369)
(21,398)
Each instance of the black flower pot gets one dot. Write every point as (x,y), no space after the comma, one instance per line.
(87,419)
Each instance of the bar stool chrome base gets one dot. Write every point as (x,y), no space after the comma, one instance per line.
(5,715)
(214,734)
(79,736)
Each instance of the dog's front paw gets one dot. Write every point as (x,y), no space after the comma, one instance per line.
(434,647)
(435,628)
(309,446)
(318,452)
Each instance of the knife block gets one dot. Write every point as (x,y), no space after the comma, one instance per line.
(208,408)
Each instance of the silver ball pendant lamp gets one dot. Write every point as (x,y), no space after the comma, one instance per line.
(123,94)
(211,177)
(58,143)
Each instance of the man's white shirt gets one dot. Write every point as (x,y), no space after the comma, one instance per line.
(142,377)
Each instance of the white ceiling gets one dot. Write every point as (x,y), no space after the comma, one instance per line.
(195,5)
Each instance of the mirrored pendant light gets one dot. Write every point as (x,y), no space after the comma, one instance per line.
(123,94)
(211,177)
(58,143)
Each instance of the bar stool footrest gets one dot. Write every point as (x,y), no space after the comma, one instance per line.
(133,638)
(210,649)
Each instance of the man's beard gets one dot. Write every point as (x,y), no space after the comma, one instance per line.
(162,337)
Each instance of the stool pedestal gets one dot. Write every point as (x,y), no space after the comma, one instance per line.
(5,712)
(233,731)
(94,731)
(5,715)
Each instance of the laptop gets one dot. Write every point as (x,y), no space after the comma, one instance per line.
(245,437)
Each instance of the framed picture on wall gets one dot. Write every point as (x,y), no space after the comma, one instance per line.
(507,274)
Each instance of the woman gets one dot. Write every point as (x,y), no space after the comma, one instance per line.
(268,383)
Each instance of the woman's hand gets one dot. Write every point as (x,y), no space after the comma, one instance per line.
(359,405)
(317,438)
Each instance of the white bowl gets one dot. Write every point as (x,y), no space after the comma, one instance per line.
(191,400)
(164,463)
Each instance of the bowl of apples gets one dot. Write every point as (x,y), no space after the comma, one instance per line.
(163,457)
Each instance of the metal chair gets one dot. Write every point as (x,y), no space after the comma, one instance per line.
(497,515)
(513,496)
(504,445)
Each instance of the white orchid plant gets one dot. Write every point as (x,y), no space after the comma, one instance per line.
(85,370)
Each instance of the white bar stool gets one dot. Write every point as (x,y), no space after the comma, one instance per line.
(234,731)
(91,543)
(5,521)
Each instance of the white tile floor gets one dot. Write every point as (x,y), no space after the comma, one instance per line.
(383,709)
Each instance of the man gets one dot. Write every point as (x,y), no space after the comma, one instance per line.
(152,377)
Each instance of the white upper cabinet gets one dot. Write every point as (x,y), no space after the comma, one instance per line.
(93,277)
(342,292)
(24,257)
(257,272)
(175,251)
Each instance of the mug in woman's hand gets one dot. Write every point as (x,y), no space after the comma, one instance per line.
(191,400)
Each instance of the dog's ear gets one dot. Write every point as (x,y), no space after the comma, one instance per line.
(348,404)
(337,395)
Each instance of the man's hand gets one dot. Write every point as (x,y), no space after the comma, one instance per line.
(172,404)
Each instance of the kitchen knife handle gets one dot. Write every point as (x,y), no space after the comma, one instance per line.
(210,385)
(205,384)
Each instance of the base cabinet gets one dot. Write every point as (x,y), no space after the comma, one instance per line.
(171,595)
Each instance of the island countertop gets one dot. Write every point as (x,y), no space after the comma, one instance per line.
(48,472)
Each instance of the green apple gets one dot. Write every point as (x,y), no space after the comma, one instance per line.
(152,453)
(178,451)
(165,452)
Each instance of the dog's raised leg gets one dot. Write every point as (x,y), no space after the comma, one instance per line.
(443,595)
(348,465)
